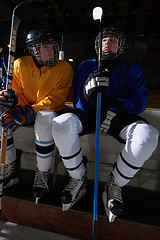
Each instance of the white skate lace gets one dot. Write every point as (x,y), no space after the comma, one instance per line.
(114,190)
(9,169)
(41,179)
(74,185)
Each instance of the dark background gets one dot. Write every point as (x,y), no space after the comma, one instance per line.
(138,19)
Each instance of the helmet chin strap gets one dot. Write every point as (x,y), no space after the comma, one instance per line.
(108,55)
(39,63)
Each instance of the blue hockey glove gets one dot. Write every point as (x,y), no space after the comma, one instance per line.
(97,81)
(8,99)
(16,117)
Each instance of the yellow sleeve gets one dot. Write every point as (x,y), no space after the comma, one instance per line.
(17,87)
(17,83)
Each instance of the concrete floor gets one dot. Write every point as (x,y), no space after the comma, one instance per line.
(12,231)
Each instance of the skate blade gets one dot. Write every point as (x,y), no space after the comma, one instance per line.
(110,215)
(11,183)
(66,207)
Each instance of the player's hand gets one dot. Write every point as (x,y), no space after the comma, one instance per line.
(97,81)
(16,117)
(8,99)
(107,122)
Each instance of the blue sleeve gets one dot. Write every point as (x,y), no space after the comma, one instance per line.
(80,76)
(130,89)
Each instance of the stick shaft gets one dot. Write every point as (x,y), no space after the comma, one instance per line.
(1,183)
(98,122)
(3,145)
(94,233)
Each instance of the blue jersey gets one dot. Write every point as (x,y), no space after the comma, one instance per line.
(126,84)
(3,72)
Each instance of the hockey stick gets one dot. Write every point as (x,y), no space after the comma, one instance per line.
(20,11)
(97,15)
(61,52)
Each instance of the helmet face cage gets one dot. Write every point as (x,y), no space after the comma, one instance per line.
(35,51)
(36,40)
(113,32)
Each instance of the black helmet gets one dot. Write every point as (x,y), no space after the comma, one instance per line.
(35,39)
(114,32)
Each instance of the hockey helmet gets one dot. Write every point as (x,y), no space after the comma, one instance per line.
(114,33)
(36,40)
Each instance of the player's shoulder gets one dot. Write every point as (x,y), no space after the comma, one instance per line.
(130,65)
(90,64)
(64,64)
(92,61)
(23,61)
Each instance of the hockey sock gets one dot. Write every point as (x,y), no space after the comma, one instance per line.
(65,130)
(141,140)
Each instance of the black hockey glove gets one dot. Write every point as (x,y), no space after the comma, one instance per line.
(8,99)
(97,81)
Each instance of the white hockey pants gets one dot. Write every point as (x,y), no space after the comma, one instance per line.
(141,140)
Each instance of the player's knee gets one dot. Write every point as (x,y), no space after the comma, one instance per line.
(44,118)
(152,136)
(65,125)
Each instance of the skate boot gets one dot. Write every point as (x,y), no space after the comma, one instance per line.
(112,199)
(12,171)
(40,186)
(74,191)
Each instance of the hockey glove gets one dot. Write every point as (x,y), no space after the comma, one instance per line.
(97,81)
(107,122)
(8,99)
(14,118)
(118,107)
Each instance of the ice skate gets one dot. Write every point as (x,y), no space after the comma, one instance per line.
(40,186)
(12,171)
(74,191)
(112,199)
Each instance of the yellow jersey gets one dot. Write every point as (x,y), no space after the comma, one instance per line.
(43,88)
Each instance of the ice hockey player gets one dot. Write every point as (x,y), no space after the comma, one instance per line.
(12,166)
(124,96)
(41,83)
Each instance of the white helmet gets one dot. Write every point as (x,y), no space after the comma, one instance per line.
(113,32)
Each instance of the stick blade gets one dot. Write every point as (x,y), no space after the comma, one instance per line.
(29,7)
(97,13)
